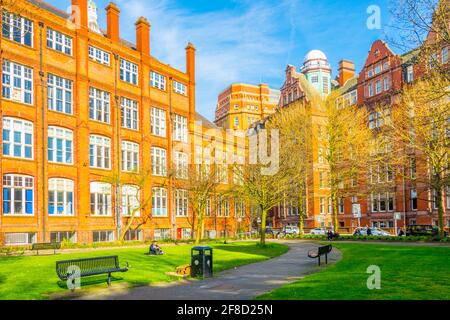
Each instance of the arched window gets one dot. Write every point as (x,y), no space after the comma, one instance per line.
(17,138)
(60,145)
(60,197)
(100,199)
(130,200)
(18,195)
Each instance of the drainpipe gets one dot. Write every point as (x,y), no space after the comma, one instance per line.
(169,164)
(41,75)
(118,149)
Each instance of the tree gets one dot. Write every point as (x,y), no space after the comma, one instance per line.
(131,206)
(421,126)
(201,185)
(424,25)
(294,126)
(343,141)
(262,187)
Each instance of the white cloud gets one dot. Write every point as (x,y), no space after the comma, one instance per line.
(233,45)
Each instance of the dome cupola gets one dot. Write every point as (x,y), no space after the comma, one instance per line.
(317,71)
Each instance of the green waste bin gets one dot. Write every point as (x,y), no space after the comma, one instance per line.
(201,262)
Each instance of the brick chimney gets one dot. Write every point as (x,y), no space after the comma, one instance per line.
(143,36)
(346,71)
(80,13)
(190,71)
(112,20)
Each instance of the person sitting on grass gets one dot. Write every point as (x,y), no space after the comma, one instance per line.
(155,249)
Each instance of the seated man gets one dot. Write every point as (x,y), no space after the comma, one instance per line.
(155,249)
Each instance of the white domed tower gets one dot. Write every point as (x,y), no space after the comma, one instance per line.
(318,71)
(93,17)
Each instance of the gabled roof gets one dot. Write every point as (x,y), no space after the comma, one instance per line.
(349,85)
(205,122)
(409,56)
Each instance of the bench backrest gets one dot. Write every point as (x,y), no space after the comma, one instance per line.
(325,249)
(43,246)
(90,266)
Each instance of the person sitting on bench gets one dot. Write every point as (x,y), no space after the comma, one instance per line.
(155,249)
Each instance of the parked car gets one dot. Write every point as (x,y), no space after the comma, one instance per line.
(375,232)
(423,230)
(289,230)
(318,231)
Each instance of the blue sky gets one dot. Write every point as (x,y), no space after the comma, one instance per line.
(249,40)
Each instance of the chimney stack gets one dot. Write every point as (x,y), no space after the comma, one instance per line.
(346,71)
(190,71)
(80,13)
(143,36)
(112,18)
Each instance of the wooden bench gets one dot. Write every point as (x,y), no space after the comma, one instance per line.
(321,251)
(90,267)
(46,246)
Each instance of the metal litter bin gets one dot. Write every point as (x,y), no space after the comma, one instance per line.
(201,262)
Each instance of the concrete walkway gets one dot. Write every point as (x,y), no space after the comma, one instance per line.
(241,283)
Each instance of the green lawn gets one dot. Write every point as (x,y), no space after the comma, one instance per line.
(34,277)
(407,272)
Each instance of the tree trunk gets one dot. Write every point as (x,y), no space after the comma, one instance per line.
(199,226)
(263,227)
(301,209)
(334,210)
(440,207)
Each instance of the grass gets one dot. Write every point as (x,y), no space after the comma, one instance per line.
(407,273)
(34,277)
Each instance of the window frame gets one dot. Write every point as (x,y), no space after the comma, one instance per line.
(159,195)
(68,192)
(159,161)
(129,72)
(56,38)
(66,137)
(56,84)
(99,105)
(26,188)
(129,113)
(130,155)
(158,81)
(24,29)
(14,84)
(158,122)
(102,202)
(93,53)
(26,133)
(105,151)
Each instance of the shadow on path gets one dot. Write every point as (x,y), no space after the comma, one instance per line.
(241,283)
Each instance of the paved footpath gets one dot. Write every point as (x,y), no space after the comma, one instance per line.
(242,283)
